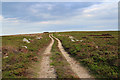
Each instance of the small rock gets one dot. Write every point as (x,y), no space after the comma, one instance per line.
(71,37)
(5,57)
(96,46)
(24,47)
(77,40)
(72,40)
(39,37)
(25,40)
(81,40)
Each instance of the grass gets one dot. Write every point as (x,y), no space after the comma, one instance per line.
(60,64)
(17,59)
(98,51)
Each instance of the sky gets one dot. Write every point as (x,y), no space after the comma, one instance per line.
(37,17)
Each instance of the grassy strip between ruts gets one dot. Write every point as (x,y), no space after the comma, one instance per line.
(60,64)
(16,57)
(98,51)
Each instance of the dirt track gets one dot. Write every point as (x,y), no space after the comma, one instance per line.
(47,71)
(75,66)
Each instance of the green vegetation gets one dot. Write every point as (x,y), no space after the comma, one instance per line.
(98,51)
(16,58)
(60,64)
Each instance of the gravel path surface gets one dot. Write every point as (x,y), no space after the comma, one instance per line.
(47,71)
(75,66)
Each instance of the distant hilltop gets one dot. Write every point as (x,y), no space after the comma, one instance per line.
(45,32)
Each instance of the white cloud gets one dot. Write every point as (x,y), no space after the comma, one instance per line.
(101,16)
(102,10)
(39,10)
(50,8)
(9,20)
(90,10)
(1,18)
(49,22)
(38,7)
(90,16)
(105,13)
(46,15)
(96,17)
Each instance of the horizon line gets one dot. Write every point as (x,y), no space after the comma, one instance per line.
(54,31)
